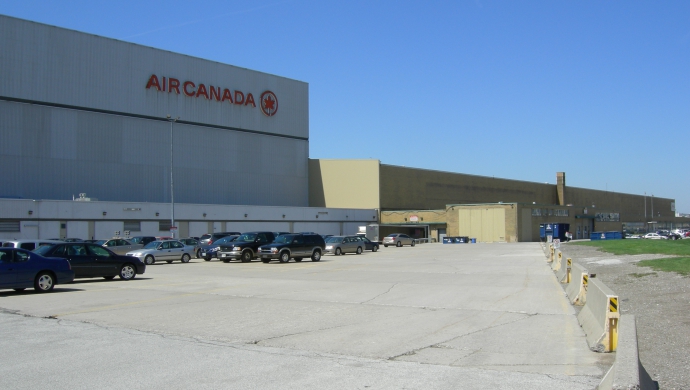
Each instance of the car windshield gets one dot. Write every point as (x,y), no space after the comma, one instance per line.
(152,245)
(284,239)
(392,235)
(334,239)
(43,249)
(225,240)
(247,237)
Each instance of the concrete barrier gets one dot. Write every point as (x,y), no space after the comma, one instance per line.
(557,263)
(599,317)
(577,287)
(551,253)
(627,371)
(563,273)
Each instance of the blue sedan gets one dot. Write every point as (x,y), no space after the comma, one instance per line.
(21,269)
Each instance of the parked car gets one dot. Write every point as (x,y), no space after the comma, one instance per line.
(673,236)
(210,238)
(194,243)
(398,239)
(245,247)
(209,251)
(369,245)
(21,269)
(167,250)
(142,240)
(119,245)
(293,246)
(654,236)
(339,245)
(92,260)
(29,245)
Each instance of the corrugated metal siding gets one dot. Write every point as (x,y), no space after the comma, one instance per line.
(51,64)
(55,153)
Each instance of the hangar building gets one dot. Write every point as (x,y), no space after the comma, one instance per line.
(148,135)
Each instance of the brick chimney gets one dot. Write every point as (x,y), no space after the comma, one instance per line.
(560,187)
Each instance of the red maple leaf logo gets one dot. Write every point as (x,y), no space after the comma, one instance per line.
(268,103)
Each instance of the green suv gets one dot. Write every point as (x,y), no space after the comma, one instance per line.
(293,246)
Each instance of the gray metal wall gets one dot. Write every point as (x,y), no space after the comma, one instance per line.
(76,116)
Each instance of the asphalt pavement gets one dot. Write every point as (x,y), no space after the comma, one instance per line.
(434,316)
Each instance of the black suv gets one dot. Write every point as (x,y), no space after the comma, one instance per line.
(209,238)
(244,247)
(296,246)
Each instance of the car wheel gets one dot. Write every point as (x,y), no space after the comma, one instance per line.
(44,282)
(398,244)
(207,259)
(359,250)
(128,272)
(375,248)
(185,258)
(316,256)
(284,257)
(168,261)
(413,243)
(149,260)
(338,251)
(246,256)
(109,277)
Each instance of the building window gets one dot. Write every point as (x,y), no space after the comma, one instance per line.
(164,225)
(133,226)
(9,226)
(536,212)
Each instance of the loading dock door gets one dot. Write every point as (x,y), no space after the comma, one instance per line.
(486,225)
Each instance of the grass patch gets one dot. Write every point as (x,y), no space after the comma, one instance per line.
(641,247)
(679,265)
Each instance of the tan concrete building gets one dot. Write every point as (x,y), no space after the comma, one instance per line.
(427,203)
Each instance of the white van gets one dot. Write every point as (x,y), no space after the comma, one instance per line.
(29,245)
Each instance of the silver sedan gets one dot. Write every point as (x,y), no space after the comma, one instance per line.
(119,245)
(398,239)
(165,250)
(339,245)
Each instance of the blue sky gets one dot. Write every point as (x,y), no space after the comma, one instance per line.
(511,89)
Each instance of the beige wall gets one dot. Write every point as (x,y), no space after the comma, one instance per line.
(344,183)
(631,207)
(410,188)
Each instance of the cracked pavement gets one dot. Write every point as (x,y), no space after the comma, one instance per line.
(431,316)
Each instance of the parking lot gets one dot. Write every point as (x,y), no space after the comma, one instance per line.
(430,316)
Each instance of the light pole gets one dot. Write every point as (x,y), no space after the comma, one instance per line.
(172,187)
